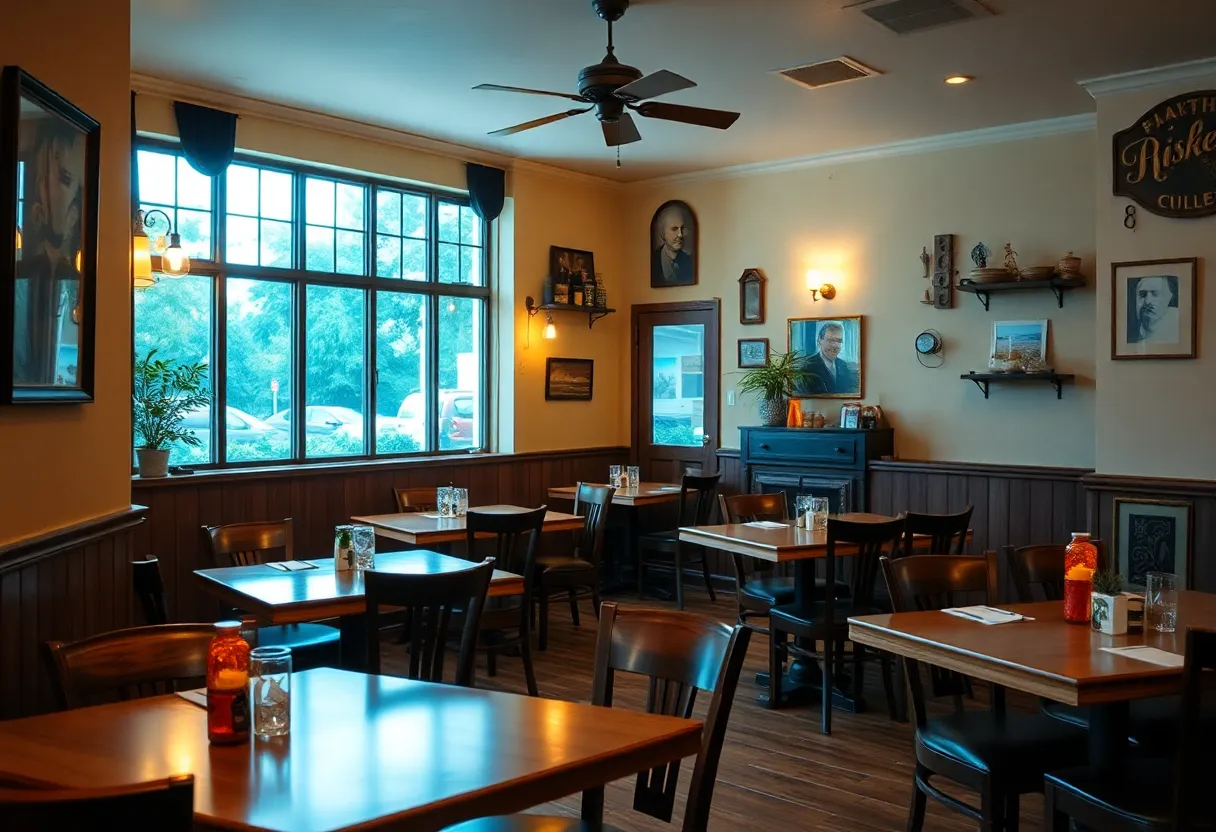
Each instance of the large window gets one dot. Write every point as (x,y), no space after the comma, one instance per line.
(340,317)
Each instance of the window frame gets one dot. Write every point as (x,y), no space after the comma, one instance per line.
(218,270)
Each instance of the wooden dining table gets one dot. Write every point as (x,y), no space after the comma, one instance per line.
(364,752)
(277,597)
(428,528)
(803,547)
(1047,657)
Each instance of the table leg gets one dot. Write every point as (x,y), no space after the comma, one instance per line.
(353,641)
(1109,725)
(617,576)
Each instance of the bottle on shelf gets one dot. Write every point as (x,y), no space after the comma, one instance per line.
(576,289)
(590,288)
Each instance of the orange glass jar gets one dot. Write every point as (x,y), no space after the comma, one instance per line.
(228,685)
(1080,552)
(1078,587)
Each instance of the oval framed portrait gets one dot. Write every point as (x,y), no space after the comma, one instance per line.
(673,246)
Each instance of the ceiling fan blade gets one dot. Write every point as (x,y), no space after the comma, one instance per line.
(624,131)
(528,125)
(719,119)
(500,88)
(653,85)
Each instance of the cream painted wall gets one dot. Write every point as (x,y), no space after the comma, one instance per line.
(67,464)
(867,222)
(1153,417)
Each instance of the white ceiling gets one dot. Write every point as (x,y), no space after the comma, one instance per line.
(410,64)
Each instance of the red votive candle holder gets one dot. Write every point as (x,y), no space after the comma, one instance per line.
(1078,587)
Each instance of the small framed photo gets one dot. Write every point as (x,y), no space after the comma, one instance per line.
(568,379)
(1152,536)
(1153,313)
(753,353)
(567,263)
(850,414)
(751,297)
(1022,342)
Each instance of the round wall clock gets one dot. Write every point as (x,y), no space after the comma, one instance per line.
(929,345)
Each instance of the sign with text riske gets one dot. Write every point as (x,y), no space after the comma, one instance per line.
(1166,161)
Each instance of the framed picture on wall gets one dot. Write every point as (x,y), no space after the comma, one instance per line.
(751,297)
(568,379)
(673,246)
(1153,313)
(1021,343)
(1152,536)
(753,353)
(831,352)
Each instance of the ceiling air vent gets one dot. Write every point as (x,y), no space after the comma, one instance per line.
(827,73)
(906,16)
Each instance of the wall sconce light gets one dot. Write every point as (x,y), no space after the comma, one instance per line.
(174,260)
(550,329)
(817,288)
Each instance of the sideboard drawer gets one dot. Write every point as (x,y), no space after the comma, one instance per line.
(832,449)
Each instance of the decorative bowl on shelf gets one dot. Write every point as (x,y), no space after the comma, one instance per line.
(990,275)
(1069,266)
(1038,272)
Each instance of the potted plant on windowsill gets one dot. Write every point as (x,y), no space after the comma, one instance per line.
(774,384)
(162,393)
(1108,604)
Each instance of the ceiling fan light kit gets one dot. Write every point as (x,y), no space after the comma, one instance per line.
(612,89)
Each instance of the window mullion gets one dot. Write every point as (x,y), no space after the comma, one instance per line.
(219,376)
(370,374)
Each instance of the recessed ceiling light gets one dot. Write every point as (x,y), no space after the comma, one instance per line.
(959,79)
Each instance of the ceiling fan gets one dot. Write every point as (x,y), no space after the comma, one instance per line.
(612,88)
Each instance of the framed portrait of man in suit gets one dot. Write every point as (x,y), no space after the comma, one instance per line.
(830,350)
(673,246)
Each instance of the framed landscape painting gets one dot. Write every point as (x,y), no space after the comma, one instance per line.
(1152,536)
(753,353)
(568,379)
(1153,309)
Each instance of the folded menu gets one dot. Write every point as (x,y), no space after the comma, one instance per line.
(765,524)
(1147,654)
(291,565)
(198,696)
(669,488)
(986,615)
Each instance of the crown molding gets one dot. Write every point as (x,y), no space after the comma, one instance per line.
(244,105)
(1145,78)
(1080,123)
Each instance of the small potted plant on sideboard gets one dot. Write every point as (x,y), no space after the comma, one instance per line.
(774,384)
(162,393)
(1108,604)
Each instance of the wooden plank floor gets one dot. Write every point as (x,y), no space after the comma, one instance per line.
(777,771)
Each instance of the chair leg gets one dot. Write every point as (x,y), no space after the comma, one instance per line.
(859,671)
(888,686)
(525,652)
(641,570)
(595,601)
(679,564)
(992,810)
(1013,805)
(542,637)
(574,605)
(1053,819)
(776,672)
(825,719)
(916,812)
(709,585)
(492,662)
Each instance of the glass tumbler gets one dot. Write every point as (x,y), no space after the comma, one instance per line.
(443,501)
(460,502)
(270,690)
(633,475)
(1160,601)
(802,511)
(819,514)
(363,542)
(614,475)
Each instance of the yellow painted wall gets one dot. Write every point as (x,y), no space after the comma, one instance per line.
(66,464)
(1154,418)
(867,223)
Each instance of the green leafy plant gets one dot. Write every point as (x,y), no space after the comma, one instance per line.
(1108,582)
(777,380)
(163,392)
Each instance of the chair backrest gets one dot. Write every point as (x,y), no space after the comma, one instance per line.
(1192,806)
(681,653)
(414,500)
(1042,566)
(935,582)
(150,591)
(749,508)
(430,601)
(703,491)
(947,532)
(160,805)
(872,540)
(515,538)
(592,502)
(246,544)
(129,664)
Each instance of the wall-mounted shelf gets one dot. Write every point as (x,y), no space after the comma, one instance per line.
(1056,380)
(1057,285)
(594,313)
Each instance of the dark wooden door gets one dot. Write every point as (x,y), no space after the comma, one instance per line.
(676,373)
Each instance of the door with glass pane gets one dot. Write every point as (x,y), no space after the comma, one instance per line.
(676,371)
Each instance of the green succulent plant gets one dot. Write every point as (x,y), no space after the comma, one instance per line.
(1108,582)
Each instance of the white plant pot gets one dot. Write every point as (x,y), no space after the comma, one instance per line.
(1108,613)
(152,463)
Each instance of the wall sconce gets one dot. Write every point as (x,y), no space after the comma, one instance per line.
(550,330)
(817,288)
(174,260)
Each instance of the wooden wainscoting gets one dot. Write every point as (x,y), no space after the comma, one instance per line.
(66,585)
(319,497)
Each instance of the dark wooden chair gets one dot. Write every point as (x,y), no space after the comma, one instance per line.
(155,806)
(429,602)
(128,664)
(826,619)
(150,591)
(580,570)
(1145,793)
(506,621)
(680,653)
(248,544)
(757,589)
(413,500)
(697,498)
(947,532)
(1000,755)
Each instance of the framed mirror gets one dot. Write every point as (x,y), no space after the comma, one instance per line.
(751,297)
(49,166)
